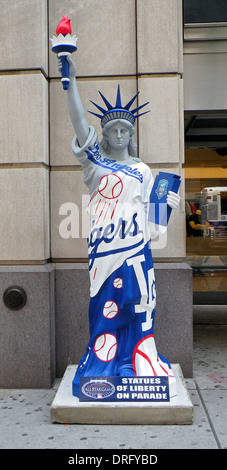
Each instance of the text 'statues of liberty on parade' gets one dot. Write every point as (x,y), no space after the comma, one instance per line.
(122,280)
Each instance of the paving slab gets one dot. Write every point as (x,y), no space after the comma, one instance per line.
(67,408)
(215,403)
(210,356)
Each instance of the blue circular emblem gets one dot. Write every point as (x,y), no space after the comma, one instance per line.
(98,389)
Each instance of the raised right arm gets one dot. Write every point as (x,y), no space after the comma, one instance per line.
(76,110)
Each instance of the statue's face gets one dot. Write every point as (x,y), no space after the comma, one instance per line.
(118,137)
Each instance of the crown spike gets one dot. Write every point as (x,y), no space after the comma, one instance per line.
(118,99)
(131,101)
(139,107)
(95,114)
(109,106)
(99,107)
(138,115)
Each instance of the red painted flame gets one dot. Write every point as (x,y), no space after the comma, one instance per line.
(64,27)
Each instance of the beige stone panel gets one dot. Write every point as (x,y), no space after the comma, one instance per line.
(69,222)
(181,122)
(106,35)
(174,242)
(160,43)
(24,118)
(23,34)
(24,214)
(61,129)
(159,129)
(173,245)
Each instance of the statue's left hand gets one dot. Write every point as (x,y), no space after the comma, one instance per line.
(173,199)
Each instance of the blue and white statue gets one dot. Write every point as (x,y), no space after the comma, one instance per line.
(122,280)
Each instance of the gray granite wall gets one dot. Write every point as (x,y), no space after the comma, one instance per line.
(27,335)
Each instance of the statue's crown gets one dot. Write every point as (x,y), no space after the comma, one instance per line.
(118,111)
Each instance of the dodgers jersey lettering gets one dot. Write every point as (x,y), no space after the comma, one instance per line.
(122,280)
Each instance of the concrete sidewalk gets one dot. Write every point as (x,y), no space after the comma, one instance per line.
(25,421)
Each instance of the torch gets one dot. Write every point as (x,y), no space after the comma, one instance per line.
(64,45)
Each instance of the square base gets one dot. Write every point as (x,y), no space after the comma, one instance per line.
(67,409)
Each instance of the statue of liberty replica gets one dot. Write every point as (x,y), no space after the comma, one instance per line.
(122,280)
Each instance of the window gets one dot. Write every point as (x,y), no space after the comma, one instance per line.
(205,20)
(205,11)
(206,223)
(206,202)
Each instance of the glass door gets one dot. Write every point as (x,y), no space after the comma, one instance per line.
(206,221)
